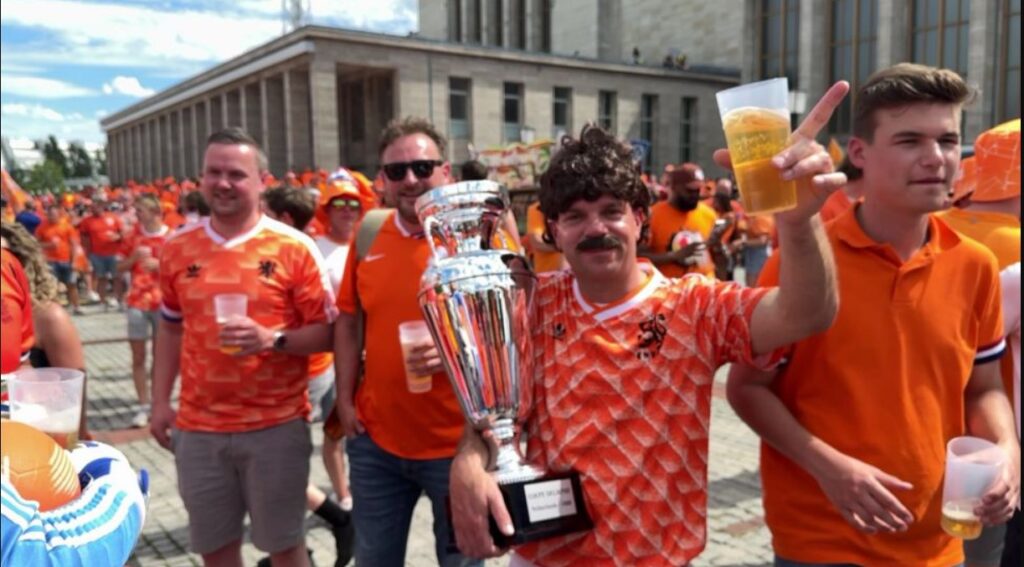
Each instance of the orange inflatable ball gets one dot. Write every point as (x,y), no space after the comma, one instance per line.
(39,468)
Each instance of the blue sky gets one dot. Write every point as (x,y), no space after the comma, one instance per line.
(65,64)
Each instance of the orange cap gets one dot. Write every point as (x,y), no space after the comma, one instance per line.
(997,162)
(966,179)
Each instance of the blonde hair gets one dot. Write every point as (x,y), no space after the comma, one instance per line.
(40,278)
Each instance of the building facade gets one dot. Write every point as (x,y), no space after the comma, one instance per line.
(815,43)
(319,97)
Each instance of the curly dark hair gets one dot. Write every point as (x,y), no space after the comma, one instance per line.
(588,168)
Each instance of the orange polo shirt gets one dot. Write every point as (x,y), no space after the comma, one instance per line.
(411,426)
(672,229)
(885,384)
(62,239)
(542,261)
(836,204)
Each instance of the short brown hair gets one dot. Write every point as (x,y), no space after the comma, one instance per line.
(235,136)
(594,165)
(402,127)
(296,202)
(903,84)
(149,202)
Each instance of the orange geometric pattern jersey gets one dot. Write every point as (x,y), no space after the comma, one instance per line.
(623,396)
(144,293)
(280,271)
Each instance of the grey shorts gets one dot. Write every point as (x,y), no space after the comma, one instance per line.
(63,272)
(103,266)
(322,395)
(141,324)
(221,476)
(987,549)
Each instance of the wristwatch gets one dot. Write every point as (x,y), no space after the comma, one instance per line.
(280,340)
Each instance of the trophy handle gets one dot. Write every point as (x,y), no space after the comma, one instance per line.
(428,233)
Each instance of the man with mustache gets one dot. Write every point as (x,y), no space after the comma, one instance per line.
(625,357)
(680,226)
(400,443)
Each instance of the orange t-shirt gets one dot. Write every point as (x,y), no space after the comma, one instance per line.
(885,384)
(622,395)
(542,261)
(144,293)
(280,271)
(60,238)
(836,204)
(672,229)
(977,224)
(15,313)
(411,426)
(103,232)
(1004,242)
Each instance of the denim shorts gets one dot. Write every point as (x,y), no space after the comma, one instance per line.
(103,266)
(63,272)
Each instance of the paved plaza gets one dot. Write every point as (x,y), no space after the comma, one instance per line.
(736,532)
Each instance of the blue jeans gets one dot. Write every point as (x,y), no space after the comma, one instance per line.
(385,489)
(780,562)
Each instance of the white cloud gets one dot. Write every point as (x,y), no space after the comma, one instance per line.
(32,125)
(36,111)
(40,87)
(127,86)
(101,113)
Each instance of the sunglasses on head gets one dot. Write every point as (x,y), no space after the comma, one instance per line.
(421,168)
(344,203)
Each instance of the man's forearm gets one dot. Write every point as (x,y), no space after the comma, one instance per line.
(808,293)
(988,413)
(347,355)
(166,361)
(309,339)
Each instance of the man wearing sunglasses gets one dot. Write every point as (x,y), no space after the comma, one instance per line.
(400,444)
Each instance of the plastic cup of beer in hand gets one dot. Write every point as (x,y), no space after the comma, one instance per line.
(227,307)
(973,465)
(755,117)
(49,399)
(412,334)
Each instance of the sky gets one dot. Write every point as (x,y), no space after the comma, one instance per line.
(65,64)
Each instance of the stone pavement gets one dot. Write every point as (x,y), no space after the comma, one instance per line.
(736,532)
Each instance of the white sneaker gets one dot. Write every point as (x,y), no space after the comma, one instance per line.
(141,419)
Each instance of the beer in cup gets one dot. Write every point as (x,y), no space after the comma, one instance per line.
(413,334)
(227,307)
(755,117)
(49,399)
(973,465)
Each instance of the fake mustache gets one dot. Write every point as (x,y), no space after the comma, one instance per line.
(604,242)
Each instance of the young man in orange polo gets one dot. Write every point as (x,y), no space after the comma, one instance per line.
(855,426)
(59,240)
(680,226)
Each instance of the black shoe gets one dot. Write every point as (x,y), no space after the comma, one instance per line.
(265,562)
(344,542)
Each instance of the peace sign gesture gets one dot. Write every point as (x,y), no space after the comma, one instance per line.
(806,161)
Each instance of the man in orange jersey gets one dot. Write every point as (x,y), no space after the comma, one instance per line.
(59,241)
(680,227)
(102,233)
(400,443)
(546,258)
(15,314)
(240,436)
(625,358)
(855,426)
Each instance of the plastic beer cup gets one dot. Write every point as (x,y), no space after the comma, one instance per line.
(226,307)
(413,334)
(972,466)
(49,399)
(755,117)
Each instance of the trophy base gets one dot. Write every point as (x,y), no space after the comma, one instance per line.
(550,506)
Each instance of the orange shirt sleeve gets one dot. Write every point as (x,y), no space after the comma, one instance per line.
(312,294)
(988,308)
(726,322)
(170,306)
(16,310)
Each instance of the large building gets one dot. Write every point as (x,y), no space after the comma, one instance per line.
(319,97)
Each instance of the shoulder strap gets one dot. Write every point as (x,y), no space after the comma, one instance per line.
(368,230)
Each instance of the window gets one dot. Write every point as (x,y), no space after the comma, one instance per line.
(545,26)
(561,112)
(497,25)
(648,120)
(939,33)
(455,20)
(474,21)
(518,15)
(852,44)
(1008,98)
(513,111)
(356,111)
(606,110)
(687,129)
(458,108)
(780,35)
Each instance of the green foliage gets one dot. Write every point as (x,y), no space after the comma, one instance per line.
(52,153)
(101,162)
(45,177)
(79,161)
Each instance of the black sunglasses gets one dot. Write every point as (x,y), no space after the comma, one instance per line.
(421,168)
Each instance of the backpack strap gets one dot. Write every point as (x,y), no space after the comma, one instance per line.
(369,228)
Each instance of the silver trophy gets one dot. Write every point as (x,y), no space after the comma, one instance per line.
(476,296)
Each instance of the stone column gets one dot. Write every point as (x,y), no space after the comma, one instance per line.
(323,90)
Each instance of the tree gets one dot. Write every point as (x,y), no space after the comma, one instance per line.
(79,161)
(101,162)
(45,177)
(53,153)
